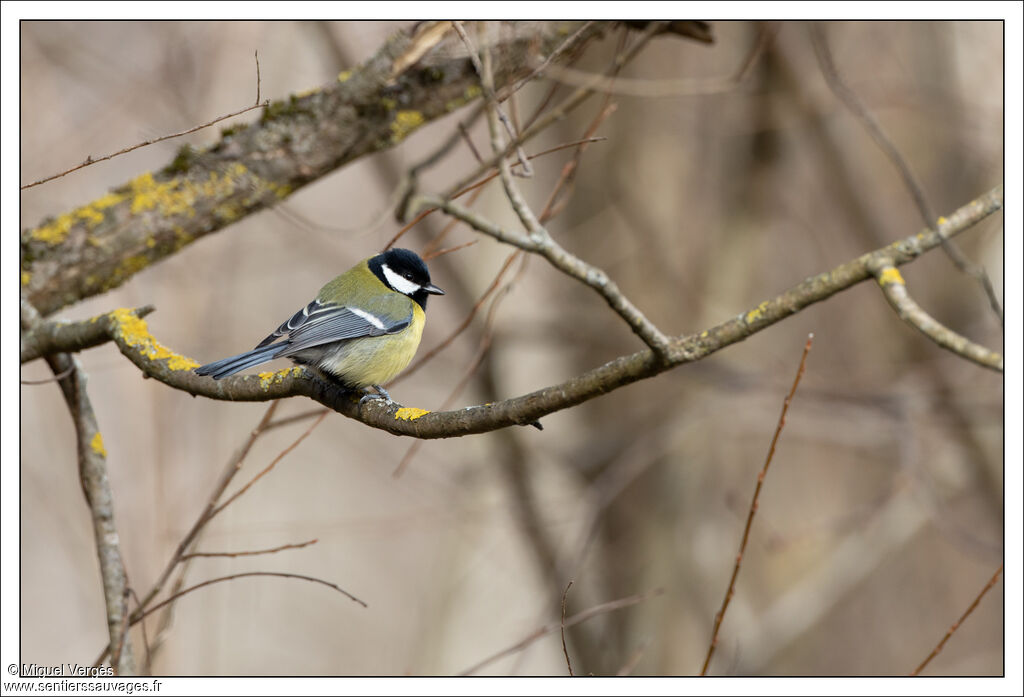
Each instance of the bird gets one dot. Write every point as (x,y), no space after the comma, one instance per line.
(361,330)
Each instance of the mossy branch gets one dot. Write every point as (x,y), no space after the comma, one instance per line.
(418,75)
(129,332)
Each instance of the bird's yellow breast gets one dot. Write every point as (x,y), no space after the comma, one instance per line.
(374,360)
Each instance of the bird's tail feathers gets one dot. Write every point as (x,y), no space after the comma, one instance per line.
(229,366)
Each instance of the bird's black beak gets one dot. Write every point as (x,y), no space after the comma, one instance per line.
(432,289)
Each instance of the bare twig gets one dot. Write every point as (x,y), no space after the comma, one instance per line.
(956,625)
(484,345)
(556,114)
(474,187)
(490,95)
(464,132)
(232,468)
(448,250)
(467,320)
(849,98)
(541,242)
(179,557)
(246,574)
(482,349)
(634,659)
(571,621)
(91,161)
(753,506)
(568,661)
(682,87)
(485,340)
(54,378)
(551,57)
(287,420)
(294,444)
(257,54)
(145,636)
(250,553)
(895,290)
(570,168)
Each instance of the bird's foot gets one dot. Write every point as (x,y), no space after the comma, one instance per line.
(381,393)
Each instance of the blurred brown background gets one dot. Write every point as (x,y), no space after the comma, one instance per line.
(881,518)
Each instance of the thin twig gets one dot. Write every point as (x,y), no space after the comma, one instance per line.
(467,320)
(164,627)
(469,141)
(475,186)
(753,506)
(192,536)
(91,161)
(556,114)
(54,378)
(287,420)
(853,102)
(634,659)
(554,54)
(482,349)
(547,213)
(570,168)
(257,54)
(485,342)
(568,661)
(895,290)
(448,250)
(540,241)
(294,444)
(250,553)
(232,577)
(450,224)
(956,625)
(232,468)
(145,637)
(490,94)
(571,621)
(682,87)
(484,345)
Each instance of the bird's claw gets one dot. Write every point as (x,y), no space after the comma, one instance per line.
(381,393)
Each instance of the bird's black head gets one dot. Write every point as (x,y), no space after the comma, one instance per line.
(402,270)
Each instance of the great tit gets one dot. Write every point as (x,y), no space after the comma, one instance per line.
(362,329)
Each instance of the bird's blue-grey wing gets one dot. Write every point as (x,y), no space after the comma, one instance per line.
(323,323)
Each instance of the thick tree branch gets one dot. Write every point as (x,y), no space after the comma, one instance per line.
(92,470)
(55,336)
(101,244)
(132,337)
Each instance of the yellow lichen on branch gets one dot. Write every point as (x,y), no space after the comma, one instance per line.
(135,333)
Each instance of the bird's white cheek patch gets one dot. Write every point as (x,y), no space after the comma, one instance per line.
(400,284)
(371,318)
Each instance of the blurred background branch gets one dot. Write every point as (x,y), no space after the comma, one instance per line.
(887,504)
(101,244)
